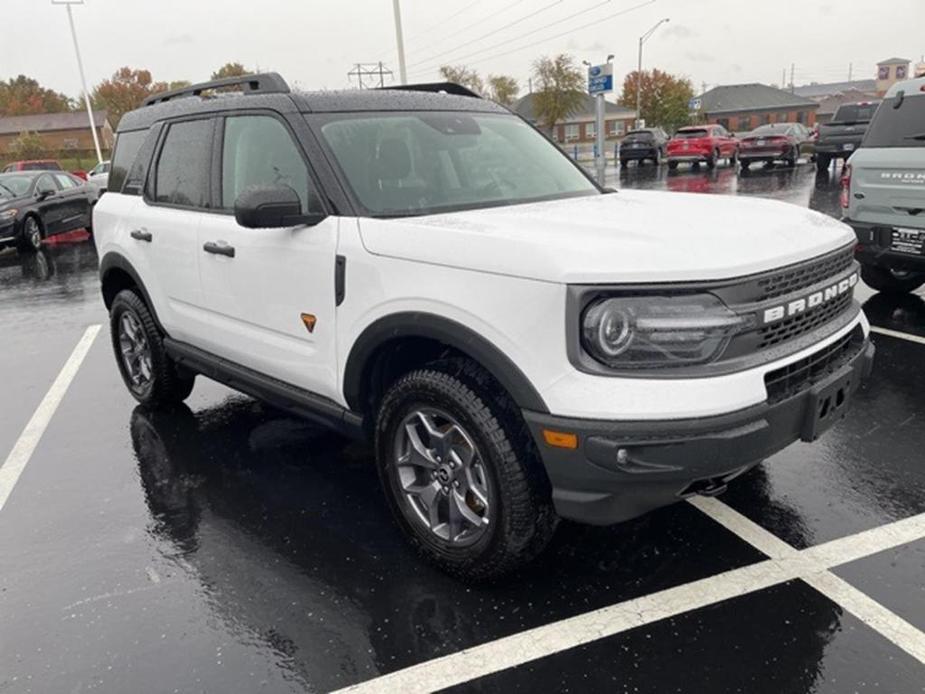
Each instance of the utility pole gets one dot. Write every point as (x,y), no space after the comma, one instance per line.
(642,40)
(850,69)
(83,79)
(783,78)
(400,41)
(792,85)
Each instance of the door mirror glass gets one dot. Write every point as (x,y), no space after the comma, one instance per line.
(44,189)
(272,206)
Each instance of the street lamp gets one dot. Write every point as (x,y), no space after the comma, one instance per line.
(642,40)
(80,68)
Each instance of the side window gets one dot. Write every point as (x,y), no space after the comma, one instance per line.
(127,146)
(45,185)
(65,181)
(259,151)
(182,173)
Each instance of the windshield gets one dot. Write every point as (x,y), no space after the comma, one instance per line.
(898,127)
(14,186)
(401,164)
(855,113)
(689,134)
(771,130)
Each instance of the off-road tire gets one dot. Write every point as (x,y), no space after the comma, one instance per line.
(168,385)
(523,520)
(883,280)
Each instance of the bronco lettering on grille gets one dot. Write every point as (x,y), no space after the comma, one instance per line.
(791,308)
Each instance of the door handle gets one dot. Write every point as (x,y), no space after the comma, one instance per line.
(141,235)
(218,248)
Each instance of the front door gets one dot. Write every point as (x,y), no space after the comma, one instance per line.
(50,204)
(269,293)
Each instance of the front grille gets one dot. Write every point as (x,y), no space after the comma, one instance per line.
(802,323)
(794,378)
(805,274)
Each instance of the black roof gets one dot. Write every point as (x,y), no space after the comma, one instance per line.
(186,102)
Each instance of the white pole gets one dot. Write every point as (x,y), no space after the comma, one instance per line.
(400,40)
(83,82)
(600,159)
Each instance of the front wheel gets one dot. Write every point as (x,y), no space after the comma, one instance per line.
(149,374)
(460,472)
(32,235)
(891,281)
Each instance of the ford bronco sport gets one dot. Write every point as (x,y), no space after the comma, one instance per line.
(883,192)
(423,268)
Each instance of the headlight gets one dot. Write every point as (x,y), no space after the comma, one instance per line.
(640,332)
(8,214)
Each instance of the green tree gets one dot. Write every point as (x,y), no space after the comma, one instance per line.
(28,145)
(503,89)
(460,74)
(560,89)
(179,84)
(230,70)
(22,96)
(124,92)
(664,98)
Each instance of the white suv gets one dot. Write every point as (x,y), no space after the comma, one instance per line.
(422,267)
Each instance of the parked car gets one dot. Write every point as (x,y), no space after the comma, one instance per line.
(703,143)
(642,144)
(883,192)
(99,175)
(37,204)
(40,165)
(785,142)
(844,133)
(422,268)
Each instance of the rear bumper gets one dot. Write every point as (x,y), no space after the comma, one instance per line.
(764,154)
(636,154)
(621,470)
(688,156)
(837,149)
(874,249)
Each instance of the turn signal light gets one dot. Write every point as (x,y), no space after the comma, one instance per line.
(560,439)
(309,320)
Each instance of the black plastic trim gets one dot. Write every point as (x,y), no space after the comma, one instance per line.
(340,279)
(117,261)
(450,333)
(301,402)
(436,87)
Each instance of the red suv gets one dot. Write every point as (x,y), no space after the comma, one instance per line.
(702,143)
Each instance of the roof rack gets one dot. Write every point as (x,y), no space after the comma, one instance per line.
(264,83)
(436,87)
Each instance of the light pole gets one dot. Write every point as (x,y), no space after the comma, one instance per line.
(642,40)
(80,68)
(400,40)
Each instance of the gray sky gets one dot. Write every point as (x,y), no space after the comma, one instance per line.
(313,43)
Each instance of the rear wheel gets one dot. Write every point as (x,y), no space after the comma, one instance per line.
(460,472)
(149,374)
(623,163)
(891,281)
(823,161)
(672,165)
(745,165)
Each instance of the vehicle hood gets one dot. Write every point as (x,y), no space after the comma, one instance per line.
(13,202)
(630,236)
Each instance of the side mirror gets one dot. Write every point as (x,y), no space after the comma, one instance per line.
(44,194)
(272,207)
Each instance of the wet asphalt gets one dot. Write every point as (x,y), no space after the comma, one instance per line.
(227,547)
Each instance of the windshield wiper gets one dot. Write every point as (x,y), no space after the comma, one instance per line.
(11,191)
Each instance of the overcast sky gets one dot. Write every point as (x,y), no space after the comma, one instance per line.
(313,43)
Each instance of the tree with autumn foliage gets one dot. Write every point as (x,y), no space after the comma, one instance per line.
(230,70)
(560,89)
(462,75)
(664,98)
(502,89)
(23,96)
(124,92)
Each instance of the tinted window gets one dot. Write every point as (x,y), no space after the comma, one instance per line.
(258,150)
(898,127)
(688,134)
(13,185)
(855,113)
(182,175)
(65,181)
(127,146)
(641,136)
(45,184)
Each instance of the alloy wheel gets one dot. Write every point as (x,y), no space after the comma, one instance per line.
(33,233)
(442,477)
(136,353)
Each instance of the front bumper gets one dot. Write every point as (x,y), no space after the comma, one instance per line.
(621,470)
(7,232)
(874,248)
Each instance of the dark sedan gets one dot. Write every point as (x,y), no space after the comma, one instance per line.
(775,142)
(37,204)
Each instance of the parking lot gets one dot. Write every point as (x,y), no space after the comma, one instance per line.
(228,547)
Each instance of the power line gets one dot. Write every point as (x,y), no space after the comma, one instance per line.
(529,33)
(466,28)
(493,31)
(564,33)
(424,32)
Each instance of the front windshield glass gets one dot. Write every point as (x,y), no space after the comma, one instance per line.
(14,186)
(401,164)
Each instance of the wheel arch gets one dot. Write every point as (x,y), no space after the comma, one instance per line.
(429,334)
(116,274)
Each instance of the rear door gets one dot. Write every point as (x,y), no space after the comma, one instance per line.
(888,172)
(257,292)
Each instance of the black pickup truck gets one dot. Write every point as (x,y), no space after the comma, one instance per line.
(843,134)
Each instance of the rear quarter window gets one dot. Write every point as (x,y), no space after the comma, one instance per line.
(898,127)
(126,149)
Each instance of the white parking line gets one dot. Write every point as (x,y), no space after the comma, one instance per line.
(25,445)
(897,334)
(786,564)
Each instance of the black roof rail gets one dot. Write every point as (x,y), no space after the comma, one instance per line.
(265,83)
(436,87)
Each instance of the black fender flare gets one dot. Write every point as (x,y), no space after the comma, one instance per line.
(116,261)
(449,332)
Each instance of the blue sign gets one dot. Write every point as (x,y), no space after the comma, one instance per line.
(694,104)
(600,78)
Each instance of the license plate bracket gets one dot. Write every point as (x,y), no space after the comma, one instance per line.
(827,404)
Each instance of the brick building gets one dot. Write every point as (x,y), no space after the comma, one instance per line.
(61,132)
(743,107)
(578,127)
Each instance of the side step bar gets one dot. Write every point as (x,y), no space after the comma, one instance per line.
(273,391)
